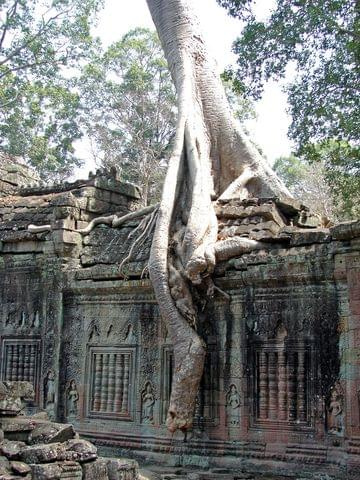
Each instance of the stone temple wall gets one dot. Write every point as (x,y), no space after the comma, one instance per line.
(281,381)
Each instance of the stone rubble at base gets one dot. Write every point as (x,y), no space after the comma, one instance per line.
(32,447)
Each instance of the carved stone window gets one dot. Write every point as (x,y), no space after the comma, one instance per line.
(111,382)
(20,360)
(283,384)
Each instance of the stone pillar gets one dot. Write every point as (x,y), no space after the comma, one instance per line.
(283,412)
(263,386)
(291,386)
(301,384)
(273,387)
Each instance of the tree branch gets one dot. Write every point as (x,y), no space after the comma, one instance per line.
(32,38)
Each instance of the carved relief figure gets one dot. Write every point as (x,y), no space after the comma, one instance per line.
(335,412)
(233,406)
(130,337)
(72,400)
(147,402)
(50,390)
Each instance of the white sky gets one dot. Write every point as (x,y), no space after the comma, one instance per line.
(269,130)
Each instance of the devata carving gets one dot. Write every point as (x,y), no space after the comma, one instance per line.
(147,404)
(335,421)
(72,400)
(49,391)
(233,406)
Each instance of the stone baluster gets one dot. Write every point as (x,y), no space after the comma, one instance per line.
(97,383)
(15,359)
(124,405)
(263,386)
(273,390)
(111,384)
(291,390)
(282,385)
(32,363)
(21,362)
(104,383)
(301,385)
(119,378)
(9,361)
(26,362)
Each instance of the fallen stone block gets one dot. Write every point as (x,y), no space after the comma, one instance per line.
(80,450)
(13,395)
(122,469)
(96,470)
(11,450)
(43,453)
(50,471)
(20,468)
(50,432)
(17,424)
(71,470)
(5,468)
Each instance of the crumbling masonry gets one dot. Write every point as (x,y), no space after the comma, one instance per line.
(282,378)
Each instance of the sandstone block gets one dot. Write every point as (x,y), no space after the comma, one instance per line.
(51,471)
(5,468)
(80,450)
(96,470)
(43,453)
(71,470)
(20,468)
(12,450)
(50,432)
(122,469)
(12,395)
(97,206)
(17,424)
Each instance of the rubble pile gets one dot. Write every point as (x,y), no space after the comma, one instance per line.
(33,447)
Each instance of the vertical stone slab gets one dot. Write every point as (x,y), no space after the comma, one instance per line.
(237,374)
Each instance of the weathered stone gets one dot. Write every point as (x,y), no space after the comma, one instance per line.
(50,471)
(96,470)
(50,432)
(346,230)
(71,470)
(13,395)
(11,449)
(20,467)
(80,450)
(43,453)
(122,469)
(5,468)
(17,424)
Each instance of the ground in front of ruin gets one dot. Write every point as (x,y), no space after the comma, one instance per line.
(155,472)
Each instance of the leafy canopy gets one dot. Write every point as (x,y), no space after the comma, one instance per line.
(39,109)
(129,108)
(320,41)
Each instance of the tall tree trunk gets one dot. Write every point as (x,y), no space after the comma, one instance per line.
(212,159)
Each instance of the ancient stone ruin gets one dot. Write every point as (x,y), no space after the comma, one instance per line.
(281,387)
(32,447)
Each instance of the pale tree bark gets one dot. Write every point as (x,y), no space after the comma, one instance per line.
(211,159)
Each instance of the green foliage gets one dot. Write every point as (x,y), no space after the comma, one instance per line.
(242,107)
(39,40)
(320,40)
(129,109)
(334,193)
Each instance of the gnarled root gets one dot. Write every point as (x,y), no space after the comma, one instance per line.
(116,221)
(235,246)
